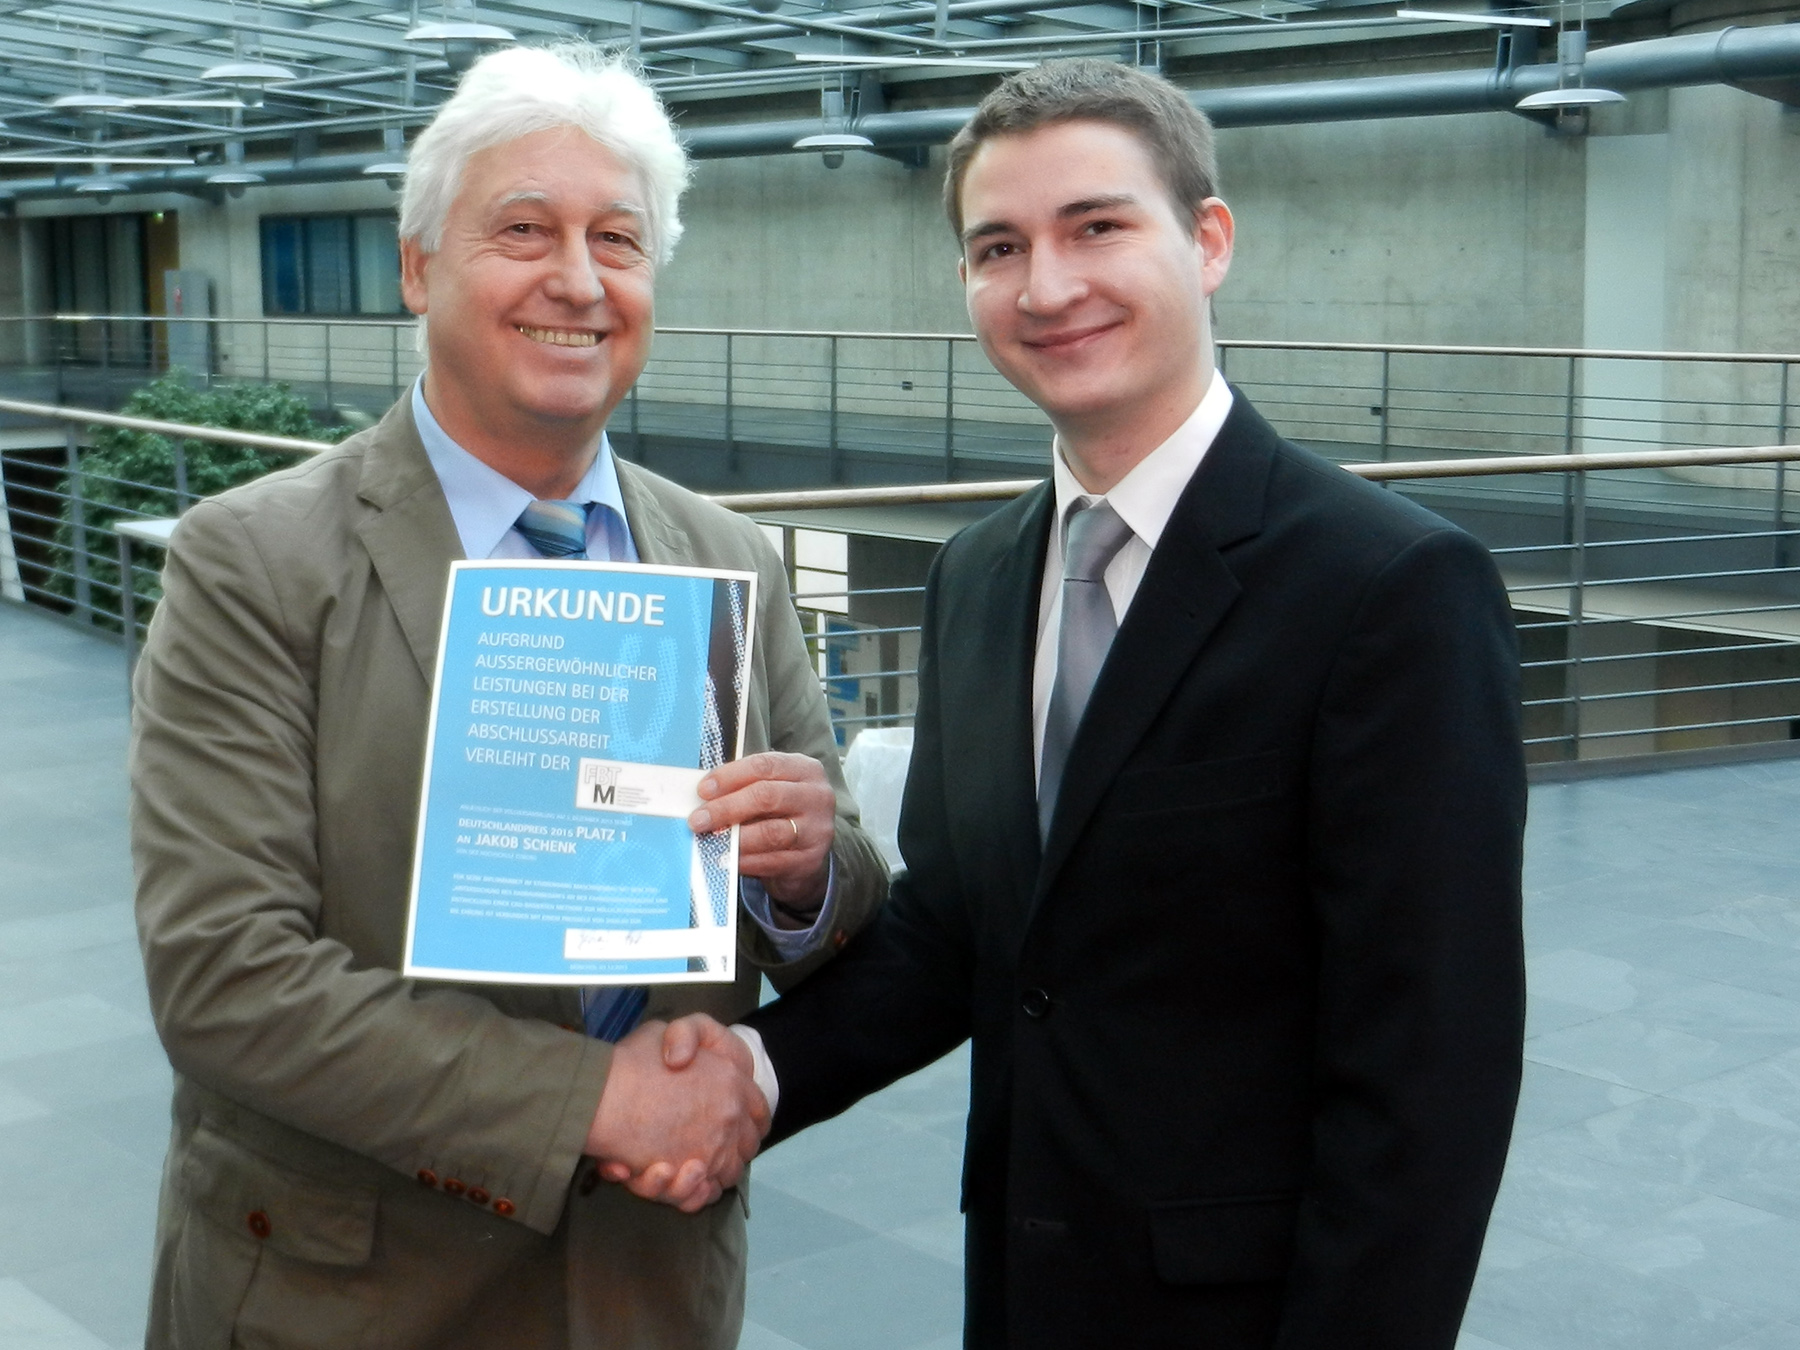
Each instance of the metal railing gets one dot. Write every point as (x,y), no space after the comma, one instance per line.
(864,406)
(1639,636)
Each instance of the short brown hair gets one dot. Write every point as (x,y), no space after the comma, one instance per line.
(1177,134)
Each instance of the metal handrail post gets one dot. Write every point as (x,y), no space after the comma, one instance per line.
(730,437)
(1569,449)
(949,410)
(183,499)
(127,609)
(1386,358)
(1782,552)
(1577,601)
(84,595)
(833,450)
(330,397)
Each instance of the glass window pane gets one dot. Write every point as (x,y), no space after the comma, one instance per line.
(328,276)
(377,265)
(124,264)
(87,239)
(283,266)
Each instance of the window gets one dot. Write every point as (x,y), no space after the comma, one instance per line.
(331,265)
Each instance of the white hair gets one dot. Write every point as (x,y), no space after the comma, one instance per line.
(520,90)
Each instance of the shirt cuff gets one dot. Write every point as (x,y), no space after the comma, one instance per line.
(765,1068)
(790,943)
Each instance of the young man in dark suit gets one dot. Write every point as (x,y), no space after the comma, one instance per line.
(1227,898)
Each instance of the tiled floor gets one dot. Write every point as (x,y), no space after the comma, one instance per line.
(1652,1202)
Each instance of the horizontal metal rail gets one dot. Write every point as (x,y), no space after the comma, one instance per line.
(865,335)
(1000,490)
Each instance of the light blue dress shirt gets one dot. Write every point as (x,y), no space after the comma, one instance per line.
(485,505)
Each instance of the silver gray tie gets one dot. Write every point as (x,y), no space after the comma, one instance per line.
(1095,534)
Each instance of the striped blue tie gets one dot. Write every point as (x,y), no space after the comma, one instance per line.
(559,530)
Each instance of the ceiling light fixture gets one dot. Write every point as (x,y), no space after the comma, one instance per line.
(833,144)
(234,181)
(464,41)
(248,79)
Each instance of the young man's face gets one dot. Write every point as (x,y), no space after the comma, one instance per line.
(1086,286)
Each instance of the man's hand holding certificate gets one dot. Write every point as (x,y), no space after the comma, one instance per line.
(783,809)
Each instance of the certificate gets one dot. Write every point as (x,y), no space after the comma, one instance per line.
(576,707)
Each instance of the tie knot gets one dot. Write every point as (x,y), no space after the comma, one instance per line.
(1095,534)
(556,529)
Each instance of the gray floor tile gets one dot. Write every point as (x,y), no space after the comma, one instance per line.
(903,1178)
(1776,1336)
(758,1337)
(1574,1302)
(1551,1098)
(64,1024)
(29,1322)
(107,1292)
(103,1071)
(1636,1052)
(1560,1193)
(1736,1253)
(877,1294)
(784,1227)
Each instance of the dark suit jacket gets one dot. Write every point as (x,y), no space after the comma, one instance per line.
(1247,1030)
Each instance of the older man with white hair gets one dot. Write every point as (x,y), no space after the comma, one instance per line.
(357,1159)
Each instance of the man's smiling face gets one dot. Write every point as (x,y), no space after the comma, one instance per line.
(1086,286)
(539,297)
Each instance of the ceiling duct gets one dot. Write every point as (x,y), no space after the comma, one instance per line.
(1748,58)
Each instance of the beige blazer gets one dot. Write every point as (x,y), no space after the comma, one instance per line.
(358,1159)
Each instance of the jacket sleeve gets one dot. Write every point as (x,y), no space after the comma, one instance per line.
(800,723)
(252,998)
(899,996)
(1416,815)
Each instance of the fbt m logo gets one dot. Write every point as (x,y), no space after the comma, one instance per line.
(602,785)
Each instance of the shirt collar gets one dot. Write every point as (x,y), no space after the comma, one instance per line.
(484,502)
(1145,498)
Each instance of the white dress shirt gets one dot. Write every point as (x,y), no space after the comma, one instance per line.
(486,505)
(1144,499)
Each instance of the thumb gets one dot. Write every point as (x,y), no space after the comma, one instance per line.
(682,1040)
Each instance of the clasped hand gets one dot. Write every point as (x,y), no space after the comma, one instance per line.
(681,1114)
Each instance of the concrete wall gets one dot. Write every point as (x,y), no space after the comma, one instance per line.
(784,242)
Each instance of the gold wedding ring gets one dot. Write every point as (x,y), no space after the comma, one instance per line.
(795,826)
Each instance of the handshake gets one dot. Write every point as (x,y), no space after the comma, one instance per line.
(681,1114)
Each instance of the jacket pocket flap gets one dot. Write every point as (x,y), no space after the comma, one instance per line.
(297,1215)
(1200,785)
(1223,1241)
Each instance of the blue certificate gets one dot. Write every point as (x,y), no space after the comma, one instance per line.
(576,707)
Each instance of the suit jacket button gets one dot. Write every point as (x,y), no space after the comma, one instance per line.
(259,1224)
(478,1195)
(427,1177)
(453,1187)
(1036,1003)
(504,1207)
(840,939)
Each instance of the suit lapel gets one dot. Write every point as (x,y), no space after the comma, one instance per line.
(1187,590)
(989,681)
(411,537)
(658,539)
